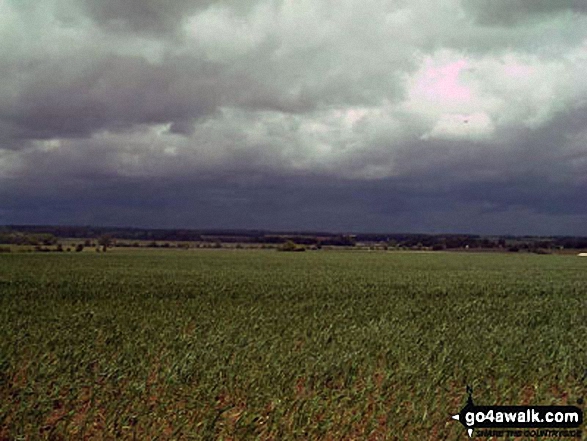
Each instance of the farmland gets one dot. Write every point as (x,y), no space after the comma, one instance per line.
(207,344)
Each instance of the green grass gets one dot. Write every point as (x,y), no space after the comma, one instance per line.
(261,344)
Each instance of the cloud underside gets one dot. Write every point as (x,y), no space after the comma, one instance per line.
(356,116)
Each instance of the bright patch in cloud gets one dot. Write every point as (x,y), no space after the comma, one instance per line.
(439,83)
(442,83)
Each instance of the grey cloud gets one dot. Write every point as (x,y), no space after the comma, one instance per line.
(305,84)
(133,15)
(149,16)
(75,97)
(506,12)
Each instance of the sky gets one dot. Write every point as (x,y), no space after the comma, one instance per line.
(452,116)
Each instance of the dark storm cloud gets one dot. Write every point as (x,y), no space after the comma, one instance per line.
(75,97)
(306,203)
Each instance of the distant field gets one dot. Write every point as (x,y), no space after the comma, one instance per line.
(260,344)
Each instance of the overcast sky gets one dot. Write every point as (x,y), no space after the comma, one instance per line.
(335,115)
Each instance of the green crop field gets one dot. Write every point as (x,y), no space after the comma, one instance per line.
(266,345)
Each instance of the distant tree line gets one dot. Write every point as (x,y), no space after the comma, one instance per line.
(164,238)
(22,238)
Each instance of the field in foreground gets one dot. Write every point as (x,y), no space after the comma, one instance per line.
(267,345)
